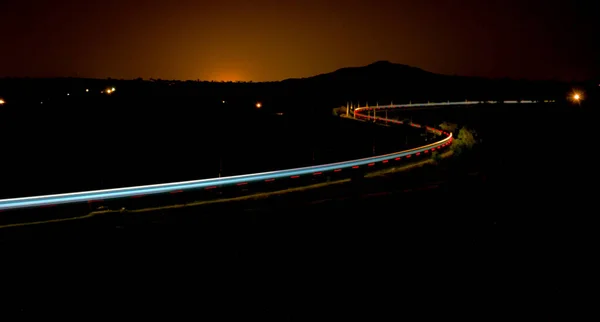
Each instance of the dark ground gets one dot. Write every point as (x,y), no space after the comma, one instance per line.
(512,242)
(478,247)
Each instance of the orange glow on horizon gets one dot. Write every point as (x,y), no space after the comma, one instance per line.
(273,40)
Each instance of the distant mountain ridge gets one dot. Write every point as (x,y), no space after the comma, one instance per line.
(386,81)
(378,70)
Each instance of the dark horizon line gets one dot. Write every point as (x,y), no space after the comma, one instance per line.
(380,62)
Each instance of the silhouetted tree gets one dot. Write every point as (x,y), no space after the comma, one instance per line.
(464,141)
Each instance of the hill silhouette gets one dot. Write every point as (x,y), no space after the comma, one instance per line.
(377,71)
(385,81)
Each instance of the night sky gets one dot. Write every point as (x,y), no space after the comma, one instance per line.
(263,40)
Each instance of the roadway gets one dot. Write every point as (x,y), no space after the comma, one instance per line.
(253,178)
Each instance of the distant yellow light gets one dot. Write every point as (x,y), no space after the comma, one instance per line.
(108,91)
(87,90)
(112,89)
(576,97)
(258,105)
(2,101)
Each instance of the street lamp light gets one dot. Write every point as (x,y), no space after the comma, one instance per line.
(258,105)
(2,101)
(577,97)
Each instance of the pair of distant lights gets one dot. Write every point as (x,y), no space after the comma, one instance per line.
(108,91)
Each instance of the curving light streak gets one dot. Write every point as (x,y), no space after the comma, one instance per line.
(204,183)
(86,196)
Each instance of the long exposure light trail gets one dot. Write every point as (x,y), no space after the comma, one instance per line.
(213,183)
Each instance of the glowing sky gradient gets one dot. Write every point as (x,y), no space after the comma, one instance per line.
(264,40)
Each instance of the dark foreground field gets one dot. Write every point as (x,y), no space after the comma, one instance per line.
(449,245)
(505,234)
